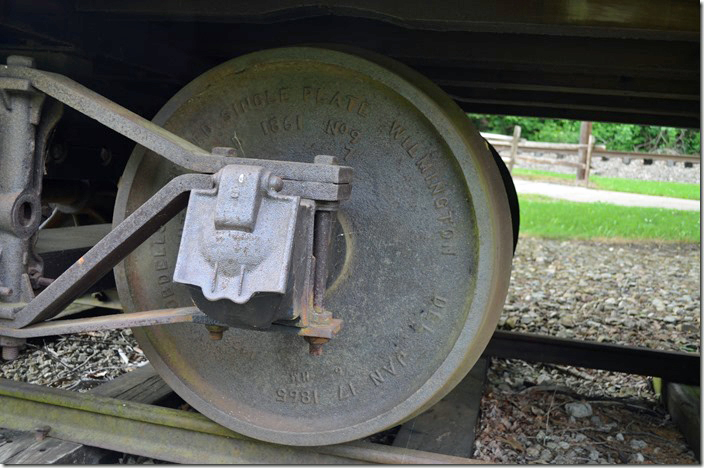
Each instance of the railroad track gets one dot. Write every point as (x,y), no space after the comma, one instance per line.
(120,415)
(94,420)
(672,366)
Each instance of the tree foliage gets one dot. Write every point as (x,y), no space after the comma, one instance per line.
(619,137)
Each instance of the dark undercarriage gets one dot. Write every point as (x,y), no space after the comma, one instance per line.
(626,61)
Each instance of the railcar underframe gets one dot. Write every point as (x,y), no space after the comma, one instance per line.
(310,239)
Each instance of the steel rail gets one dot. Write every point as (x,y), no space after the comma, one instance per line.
(670,365)
(173,435)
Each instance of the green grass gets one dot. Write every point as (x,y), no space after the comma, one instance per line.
(537,173)
(547,217)
(646,187)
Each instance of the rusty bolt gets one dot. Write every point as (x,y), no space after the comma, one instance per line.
(11,347)
(216,331)
(325,159)
(10,353)
(41,432)
(315,345)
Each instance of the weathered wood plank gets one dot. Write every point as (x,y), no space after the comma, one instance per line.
(142,385)
(556,162)
(514,147)
(53,451)
(12,443)
(683,402)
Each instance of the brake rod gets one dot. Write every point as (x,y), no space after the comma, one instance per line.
(146,318)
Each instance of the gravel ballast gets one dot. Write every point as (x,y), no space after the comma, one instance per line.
(630,294)
(615,167)
(76,362)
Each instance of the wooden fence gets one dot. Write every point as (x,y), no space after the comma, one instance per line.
(586,150)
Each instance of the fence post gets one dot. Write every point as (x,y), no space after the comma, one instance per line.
(588,162)
(585,130)
(514,146)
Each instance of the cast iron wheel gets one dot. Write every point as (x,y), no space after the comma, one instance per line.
(423,246)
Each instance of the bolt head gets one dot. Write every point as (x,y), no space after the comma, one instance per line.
(276,183)
(41,432)
(11,341)
(105,156)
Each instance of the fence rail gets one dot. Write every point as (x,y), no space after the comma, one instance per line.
(586,149)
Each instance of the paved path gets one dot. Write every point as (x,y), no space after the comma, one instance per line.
(582,194)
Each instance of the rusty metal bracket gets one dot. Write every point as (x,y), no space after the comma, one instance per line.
(105,322)
(237,248)
(26,123)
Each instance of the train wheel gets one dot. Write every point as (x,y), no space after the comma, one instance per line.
(423,246)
